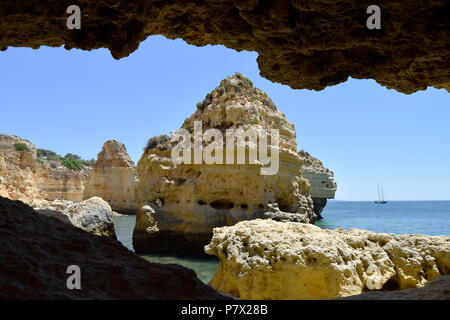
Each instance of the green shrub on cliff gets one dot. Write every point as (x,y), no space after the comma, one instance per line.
(70,160)
(47,154)
(243,81)
(155,141)
(89,163)
(21,147)
(72,156)
(72,164)
(202,105)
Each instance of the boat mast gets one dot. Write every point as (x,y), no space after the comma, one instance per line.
(382,194)
(379,194)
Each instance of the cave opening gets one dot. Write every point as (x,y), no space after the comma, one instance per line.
(222,205)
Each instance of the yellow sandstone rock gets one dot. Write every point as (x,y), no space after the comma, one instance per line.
(265,259)
(184,202)
(23,178)
(113,178)
(436,289)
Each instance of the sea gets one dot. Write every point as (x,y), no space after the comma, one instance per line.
(399,217)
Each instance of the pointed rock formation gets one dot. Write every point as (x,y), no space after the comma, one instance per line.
(180,204)
(321,180)
(113,178)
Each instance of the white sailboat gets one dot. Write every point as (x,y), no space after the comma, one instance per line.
(380,195)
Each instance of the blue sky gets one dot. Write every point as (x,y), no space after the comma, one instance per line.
(73,101)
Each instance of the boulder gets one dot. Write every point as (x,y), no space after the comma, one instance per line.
(113,178)
(55,214)
(265,259)
(93,215)
(55,205)
(36,252)
(184,202)
(54,209)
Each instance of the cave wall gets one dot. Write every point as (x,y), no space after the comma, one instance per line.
(308,44)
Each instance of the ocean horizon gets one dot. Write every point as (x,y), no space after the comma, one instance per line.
(400,216)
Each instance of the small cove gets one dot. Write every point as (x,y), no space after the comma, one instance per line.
(423,217)
(205,267)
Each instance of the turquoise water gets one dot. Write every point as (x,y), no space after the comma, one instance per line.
(204,267)
(424,217)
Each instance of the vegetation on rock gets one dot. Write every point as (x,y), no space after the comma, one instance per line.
(21,147)
(157,141)
(70,161)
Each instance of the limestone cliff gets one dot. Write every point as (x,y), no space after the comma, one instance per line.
(182,203)
(60,182)
(321,180)
(113,178)
(18,169)
(23,177)
(265,259)
(37,250)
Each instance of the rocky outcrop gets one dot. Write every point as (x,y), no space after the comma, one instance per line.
(54,209)
(321,180)
(305,44)
(436,289)
(265,259)
(37,250)
(182,203)
(18,169)
(113,178)
(23,177)
(93,215)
